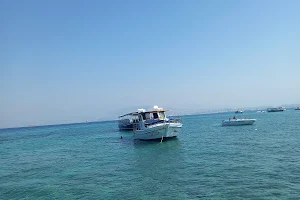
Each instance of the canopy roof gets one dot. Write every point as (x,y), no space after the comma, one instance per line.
(136,113)
(132,114)
(152,111)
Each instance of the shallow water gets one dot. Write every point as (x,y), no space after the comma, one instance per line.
(90,161)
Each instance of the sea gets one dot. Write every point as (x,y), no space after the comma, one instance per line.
(206,161)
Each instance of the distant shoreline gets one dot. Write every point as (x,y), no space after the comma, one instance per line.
(44,125)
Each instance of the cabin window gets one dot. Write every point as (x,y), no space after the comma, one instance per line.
(162,115)
(147,115)
(144,116)
(141,118)
(155,115)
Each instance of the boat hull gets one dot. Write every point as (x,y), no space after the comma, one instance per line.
(127,127)
(275,110)
(125,124)
(238,122)
(279,109)
(166,130)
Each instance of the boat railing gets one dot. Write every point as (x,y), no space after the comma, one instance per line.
(177,120)
(124,121)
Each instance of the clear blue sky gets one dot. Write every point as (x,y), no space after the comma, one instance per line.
(72,61)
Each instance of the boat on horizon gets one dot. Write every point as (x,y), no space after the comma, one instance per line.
(238,122)
(297,108)
(277,109)
(154,124)
(260,111)
(239,111)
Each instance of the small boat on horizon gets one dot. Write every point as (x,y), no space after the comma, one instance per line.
(260,111)
(239,111)
(297,108)
(278,109)
(238,122)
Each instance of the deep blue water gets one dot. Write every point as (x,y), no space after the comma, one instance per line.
(206,161)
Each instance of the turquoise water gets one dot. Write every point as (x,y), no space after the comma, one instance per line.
(206,161)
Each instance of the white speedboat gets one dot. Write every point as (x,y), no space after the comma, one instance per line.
(155,125)
(238,122)
(239,111)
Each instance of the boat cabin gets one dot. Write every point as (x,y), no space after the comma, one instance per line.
(126,121)
(148,118)
(152,115)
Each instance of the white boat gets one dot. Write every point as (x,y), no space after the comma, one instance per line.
(155,125)
(278,109)
(126,121)
(260,111)
(298,108)
(238,122)
(239,111)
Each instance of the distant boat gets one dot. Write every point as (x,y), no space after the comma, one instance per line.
(238,122)
(298,108)
(32,125)
(260,111)
(239,111)
(278,109)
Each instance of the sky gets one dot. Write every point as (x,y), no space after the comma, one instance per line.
(72,61)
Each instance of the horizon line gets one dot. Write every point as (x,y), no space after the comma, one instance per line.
(216,111)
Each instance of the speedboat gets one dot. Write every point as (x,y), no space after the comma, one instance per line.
(154,124)
(239,111)
(278,109)
(238,122)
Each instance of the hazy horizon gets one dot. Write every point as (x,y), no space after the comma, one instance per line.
(70,61)
(171,112)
